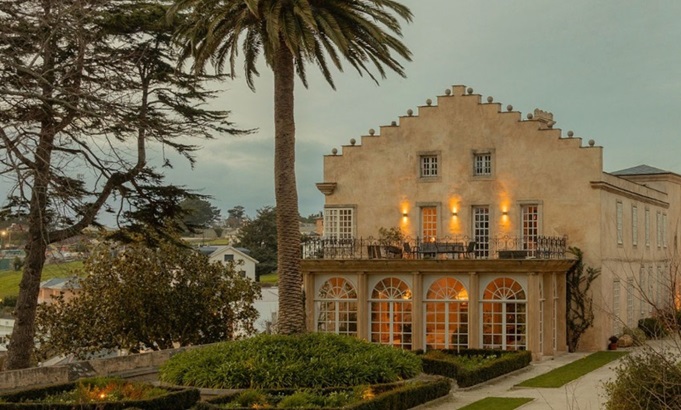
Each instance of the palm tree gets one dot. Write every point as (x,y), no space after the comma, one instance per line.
(291,34)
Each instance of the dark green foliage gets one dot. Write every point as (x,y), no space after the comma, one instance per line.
(647,380)
(259,236)
(179,399)
(277,361)
(390,396)
(503,362)
(580,312)
(198,213)
(154,297)
(653,327)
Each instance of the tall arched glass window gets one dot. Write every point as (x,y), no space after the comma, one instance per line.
(391,307)
(446,315)
(504,315)
(337,307)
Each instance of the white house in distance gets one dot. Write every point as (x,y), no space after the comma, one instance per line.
(243,263)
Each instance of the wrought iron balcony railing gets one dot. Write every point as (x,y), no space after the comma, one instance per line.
(451,247)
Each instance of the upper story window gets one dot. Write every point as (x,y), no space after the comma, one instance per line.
(659,229)
(227,258)
(634,225)
(429,166)
(647,226)
(482,164)
(620,233)
(339,223)
(664,230)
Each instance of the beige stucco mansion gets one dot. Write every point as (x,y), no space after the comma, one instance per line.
(487,204)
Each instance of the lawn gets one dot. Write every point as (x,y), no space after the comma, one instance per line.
(498,403)
(271,278)
(565,374)
(9,280)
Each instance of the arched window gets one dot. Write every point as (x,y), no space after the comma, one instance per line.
(391,307)
(504,315)
(446,315)
(337,307)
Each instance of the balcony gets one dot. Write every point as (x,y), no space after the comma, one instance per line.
(451,247)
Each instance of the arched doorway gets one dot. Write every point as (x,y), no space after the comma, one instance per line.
(337,307)
(391,307)
(504,315)
(446,310)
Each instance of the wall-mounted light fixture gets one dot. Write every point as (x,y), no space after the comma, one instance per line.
(405,214)
(504,213)
(454,213)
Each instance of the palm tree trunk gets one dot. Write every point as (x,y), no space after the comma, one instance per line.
(291,318)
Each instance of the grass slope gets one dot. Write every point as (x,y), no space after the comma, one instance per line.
(9,280)
(565,374)
(498,403)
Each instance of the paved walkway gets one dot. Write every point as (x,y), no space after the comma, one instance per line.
(585,393)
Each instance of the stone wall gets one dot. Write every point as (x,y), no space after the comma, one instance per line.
(36,376)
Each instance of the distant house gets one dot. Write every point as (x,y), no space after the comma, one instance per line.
(53,287)
(243,263)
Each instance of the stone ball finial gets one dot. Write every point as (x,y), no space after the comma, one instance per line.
(591,143)
(410,112)
(353,141)
(509,108)
(469,90)
(448,92)
(429,102)
(571,134)
(529,116)
(394,123)
(550,124)
(490,99)
(334,151)
(372,131)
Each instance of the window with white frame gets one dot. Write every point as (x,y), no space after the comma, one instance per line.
(616,324)
(481,230)
(658,221)
(620,234)
(429,166)
(530,226)
(647,226)
(664,230)
(634,225)
(630,303)
(446,306)
(429,223)
(336,305)
(391,308)
(504,315)
(338,223)
(482,164)
(642,291)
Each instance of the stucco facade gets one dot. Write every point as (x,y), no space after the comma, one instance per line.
(462,170)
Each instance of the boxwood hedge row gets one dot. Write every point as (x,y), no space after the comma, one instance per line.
(505,362)
(176,399)
(388,396)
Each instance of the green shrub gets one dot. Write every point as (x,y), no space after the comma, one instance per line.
(277,361)
(388,396)
(30,399)
(637,334)
(652,327)
(647,380)
(477,366)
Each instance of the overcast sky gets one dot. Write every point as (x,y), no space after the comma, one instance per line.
(608,70)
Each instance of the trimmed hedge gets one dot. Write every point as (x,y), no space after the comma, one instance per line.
(505,362)
(388,396)
(176,399)
(311,360)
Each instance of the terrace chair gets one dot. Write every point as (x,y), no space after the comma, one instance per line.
(470,250)
(409,251)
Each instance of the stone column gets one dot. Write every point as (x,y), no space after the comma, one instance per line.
(417,311)
(561,332)
(532,309)
(363,310)
(474,315)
